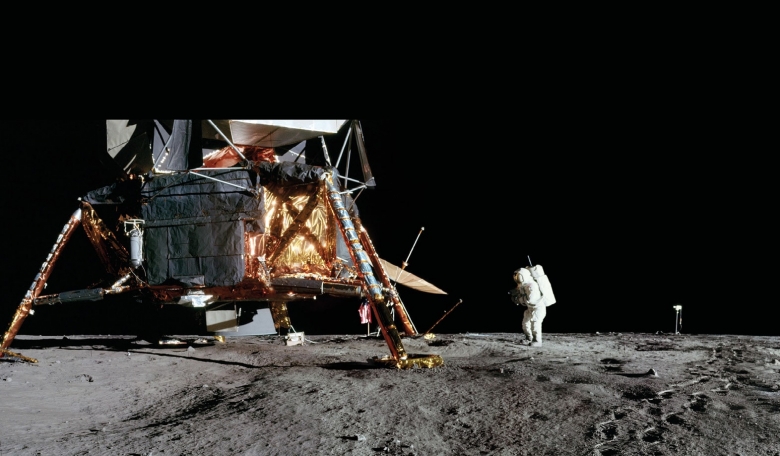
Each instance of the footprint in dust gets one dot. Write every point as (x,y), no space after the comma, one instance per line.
(666,394)
(661,396)
(652,434)
(677,420)
(622,412)
(613,364)
(606,431)
(699,403)
(674,418)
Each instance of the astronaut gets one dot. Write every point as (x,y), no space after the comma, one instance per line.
(529,295)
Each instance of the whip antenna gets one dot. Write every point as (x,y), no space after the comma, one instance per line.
(442,317)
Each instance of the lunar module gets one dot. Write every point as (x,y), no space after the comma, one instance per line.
(236,218)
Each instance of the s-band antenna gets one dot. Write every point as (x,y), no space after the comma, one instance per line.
(406,263)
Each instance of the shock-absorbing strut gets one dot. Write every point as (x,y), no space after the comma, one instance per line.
(406,321)
(376,297)
(359,256)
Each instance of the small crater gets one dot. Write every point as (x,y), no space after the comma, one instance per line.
(357,374)
(440,343)
(613,361)
(652,435)
(655,347)
(539,416)
(772,406)
(737,370)
(622,413)
(579,380)
(639,392)
(655,411)
(675,419)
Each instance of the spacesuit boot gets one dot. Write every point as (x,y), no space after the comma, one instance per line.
(537,342)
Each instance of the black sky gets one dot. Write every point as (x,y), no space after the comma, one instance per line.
(629,214)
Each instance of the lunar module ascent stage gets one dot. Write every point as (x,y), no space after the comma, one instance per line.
(233,217)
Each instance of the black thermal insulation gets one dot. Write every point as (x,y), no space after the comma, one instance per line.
(194,226)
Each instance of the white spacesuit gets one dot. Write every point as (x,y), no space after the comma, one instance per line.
(529,295)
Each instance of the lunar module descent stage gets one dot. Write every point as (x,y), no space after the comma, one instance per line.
(225,215)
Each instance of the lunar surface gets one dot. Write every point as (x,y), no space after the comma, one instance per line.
(578,394)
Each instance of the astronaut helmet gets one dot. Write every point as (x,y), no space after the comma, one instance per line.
(522,275)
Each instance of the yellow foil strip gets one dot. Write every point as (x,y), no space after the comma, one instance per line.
(17,355)
(411,361)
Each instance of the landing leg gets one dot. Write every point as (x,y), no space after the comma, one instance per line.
(25,307)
